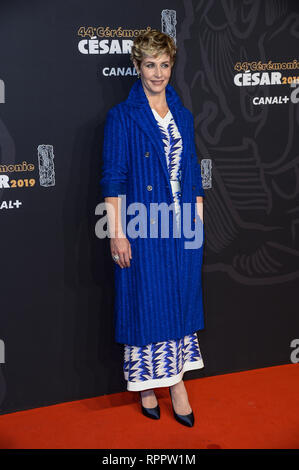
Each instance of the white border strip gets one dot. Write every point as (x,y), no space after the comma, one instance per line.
(166,381)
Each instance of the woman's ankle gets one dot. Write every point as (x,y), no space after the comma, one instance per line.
(147,393)
(148,398)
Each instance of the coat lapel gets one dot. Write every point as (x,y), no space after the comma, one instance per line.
(139,110)
(147,123)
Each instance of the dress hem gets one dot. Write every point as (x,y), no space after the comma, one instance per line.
(163,382)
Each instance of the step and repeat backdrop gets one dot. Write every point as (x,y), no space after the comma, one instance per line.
(63,66)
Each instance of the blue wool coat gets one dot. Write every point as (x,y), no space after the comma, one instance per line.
(159,297)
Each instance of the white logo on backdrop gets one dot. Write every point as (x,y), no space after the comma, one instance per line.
(2,92)
(168,22)
(10,204)
(46,165)
(2,352)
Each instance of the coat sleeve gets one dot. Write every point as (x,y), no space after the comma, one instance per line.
(114,155)
(195,164)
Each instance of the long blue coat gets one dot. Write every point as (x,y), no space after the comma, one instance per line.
(159,296)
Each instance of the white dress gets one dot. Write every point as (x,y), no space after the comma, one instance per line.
(163,364)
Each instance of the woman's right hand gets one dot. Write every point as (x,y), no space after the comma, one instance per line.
(121,246)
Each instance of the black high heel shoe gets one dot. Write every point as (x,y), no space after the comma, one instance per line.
(186,420)
(153,413)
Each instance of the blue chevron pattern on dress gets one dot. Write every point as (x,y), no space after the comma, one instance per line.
(173,146)
(161,360)
(172,141)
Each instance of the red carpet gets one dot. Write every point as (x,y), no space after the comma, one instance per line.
(251,410)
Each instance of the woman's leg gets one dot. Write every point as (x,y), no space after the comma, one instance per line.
(180,399)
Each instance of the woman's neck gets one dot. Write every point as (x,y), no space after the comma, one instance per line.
(156,100)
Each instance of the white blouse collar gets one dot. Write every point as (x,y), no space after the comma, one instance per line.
(164,121)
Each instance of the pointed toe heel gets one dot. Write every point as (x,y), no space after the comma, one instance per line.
(153,413)
(186,420)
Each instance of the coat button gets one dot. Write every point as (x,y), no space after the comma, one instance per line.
(149,187)
(193,187)
(147,154)
(194,220)
(192,155)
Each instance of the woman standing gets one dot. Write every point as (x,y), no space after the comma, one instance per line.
(149,158)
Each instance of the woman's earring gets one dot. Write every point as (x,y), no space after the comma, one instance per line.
(138,73)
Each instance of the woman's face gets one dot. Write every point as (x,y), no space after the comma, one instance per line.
(155,73)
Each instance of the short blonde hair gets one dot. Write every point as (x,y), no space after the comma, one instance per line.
(153,43)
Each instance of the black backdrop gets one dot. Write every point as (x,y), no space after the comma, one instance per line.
(56,331)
